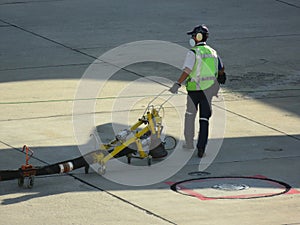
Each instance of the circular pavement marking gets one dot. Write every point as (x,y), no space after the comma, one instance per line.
(231,187)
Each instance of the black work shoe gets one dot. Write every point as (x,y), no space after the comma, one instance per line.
(188,146)
(200,152)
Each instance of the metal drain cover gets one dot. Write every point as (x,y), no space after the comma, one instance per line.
(230,187)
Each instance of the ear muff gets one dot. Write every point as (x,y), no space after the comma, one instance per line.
(199,37)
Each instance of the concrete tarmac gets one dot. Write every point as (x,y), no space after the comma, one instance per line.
(251,177)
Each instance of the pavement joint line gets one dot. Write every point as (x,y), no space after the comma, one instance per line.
(38,118)
(20,150)
(248,160)
(138,96)
(96,187)
(27,2)
(122,199)
(79,114)
(269,97)
(259,123)
(44,66)
(104,112)
(47,39)
(287,3)
(237,114)
(70,115)
(216,39)
(257,37)
(82,99)
(83,53)
(261,90)
(80,52)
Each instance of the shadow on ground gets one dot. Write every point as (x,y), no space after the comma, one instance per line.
(275,157)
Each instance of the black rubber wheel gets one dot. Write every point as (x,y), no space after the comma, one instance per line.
(169,143)
(149,160)
(30,182)
(128,159)
(20,181)
(86,169)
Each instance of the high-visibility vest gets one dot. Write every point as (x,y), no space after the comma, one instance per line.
(205,70)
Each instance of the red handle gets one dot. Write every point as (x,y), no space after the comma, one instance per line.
(28,151)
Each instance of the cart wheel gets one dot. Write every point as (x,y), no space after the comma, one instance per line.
(102,169)
(20,181)
(30,182)
(129,159)
(169,143)
(149,160)
(86,169)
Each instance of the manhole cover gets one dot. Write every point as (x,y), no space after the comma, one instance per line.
(230,187)
(199,173)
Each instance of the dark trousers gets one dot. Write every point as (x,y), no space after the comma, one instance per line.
(199,100)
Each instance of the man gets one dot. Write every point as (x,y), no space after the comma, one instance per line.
(203,71)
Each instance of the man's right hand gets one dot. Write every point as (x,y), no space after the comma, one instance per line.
(174,88)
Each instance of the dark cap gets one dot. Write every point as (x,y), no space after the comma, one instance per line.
(199,29)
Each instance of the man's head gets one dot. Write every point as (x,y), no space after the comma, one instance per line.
(199,33)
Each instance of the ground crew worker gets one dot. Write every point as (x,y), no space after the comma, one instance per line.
(203,71)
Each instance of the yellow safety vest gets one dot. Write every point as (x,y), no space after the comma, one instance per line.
(205,70)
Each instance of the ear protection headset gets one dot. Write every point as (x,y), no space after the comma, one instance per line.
(199,33)
(199,37)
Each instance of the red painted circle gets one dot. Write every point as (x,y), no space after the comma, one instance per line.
(187,187)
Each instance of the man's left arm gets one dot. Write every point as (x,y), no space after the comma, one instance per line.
(221,72)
